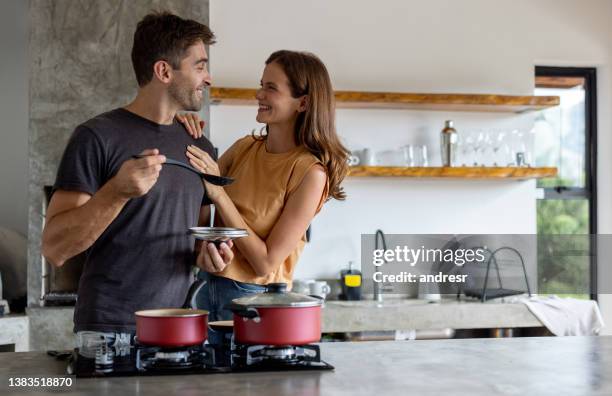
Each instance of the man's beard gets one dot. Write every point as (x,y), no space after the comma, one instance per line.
(186,98)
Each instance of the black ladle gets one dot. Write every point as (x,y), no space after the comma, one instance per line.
(212,179)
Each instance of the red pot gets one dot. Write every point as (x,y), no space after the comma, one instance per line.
(277,317)
(174,327)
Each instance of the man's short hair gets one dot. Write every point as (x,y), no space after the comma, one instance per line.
(164,36)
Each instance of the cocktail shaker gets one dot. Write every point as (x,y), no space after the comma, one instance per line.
(448,143)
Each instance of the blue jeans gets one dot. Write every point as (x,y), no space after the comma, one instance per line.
(217,293)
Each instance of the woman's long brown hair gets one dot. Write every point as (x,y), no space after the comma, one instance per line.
(315,128)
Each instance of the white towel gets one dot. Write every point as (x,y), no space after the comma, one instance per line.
(566,316)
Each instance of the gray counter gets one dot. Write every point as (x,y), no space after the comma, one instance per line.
(516,366)
(346,316)
(15,330)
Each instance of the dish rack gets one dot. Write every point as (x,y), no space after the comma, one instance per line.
(485,293)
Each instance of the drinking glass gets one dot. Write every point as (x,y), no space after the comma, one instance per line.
(408,151)
(420,155)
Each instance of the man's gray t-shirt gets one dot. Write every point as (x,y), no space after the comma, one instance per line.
(143,259)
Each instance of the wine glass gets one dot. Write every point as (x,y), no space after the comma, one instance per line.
(498,143)
(487,149)
(477,146)
(463,149)
(513,146)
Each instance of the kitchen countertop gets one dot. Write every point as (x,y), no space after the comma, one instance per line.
(51,327)
(408,314)
(14,329)
(508,366)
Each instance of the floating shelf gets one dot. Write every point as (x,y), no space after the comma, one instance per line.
(409,101)
(464,172)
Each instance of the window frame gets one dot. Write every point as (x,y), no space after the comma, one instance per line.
(589,191)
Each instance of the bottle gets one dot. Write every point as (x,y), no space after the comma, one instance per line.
(448,143)
(350,280)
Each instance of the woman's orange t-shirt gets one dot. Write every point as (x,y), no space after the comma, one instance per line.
(264,182)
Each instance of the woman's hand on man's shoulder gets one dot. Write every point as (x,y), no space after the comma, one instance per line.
(192,123)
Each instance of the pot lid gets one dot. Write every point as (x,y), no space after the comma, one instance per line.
(276,295)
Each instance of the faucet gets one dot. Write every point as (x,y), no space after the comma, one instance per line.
(377,286)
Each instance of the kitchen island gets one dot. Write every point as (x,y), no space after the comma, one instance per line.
(510,366)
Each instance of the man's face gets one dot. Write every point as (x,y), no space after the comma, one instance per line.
(190,80)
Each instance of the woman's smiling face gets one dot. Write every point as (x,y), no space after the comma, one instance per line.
(276,105)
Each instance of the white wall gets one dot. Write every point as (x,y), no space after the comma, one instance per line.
(398,206)
(471,46)
(14,116)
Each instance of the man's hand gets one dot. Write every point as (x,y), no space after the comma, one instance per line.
(214,260)
(137,176)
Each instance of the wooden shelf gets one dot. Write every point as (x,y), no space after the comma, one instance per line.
(464,172)
(409,101)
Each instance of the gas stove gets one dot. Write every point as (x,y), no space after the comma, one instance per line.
(196,359)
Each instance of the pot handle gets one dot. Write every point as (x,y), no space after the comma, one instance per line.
(245,312)
(276,288)
(190,299)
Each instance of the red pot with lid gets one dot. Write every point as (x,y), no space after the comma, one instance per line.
(277,317)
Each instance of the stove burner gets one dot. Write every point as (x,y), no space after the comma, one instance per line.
(156,358)
(275,356)
(176,356)
(279,353)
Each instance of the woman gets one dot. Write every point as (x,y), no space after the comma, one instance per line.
(282,178)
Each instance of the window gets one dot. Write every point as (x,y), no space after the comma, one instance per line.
(565,137)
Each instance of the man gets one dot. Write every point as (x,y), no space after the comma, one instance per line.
(132,215)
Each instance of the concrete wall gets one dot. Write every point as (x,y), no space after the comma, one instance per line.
(14,115)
